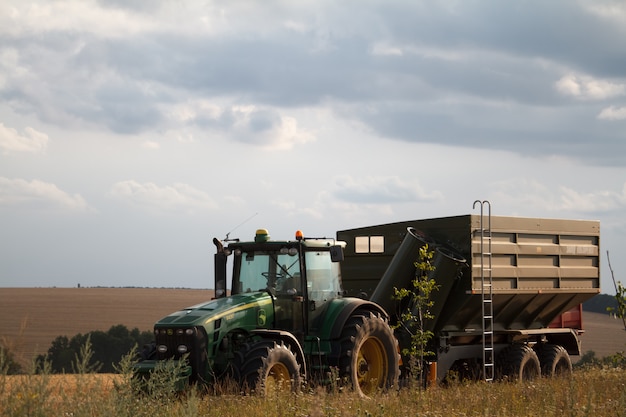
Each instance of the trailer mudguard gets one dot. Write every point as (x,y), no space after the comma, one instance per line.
(568,338)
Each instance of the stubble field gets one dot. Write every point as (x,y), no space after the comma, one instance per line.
(31,318)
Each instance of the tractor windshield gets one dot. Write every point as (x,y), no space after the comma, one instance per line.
(323,277)
(275,271)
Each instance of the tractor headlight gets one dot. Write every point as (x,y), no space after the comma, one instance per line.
(182,349)
(161,348)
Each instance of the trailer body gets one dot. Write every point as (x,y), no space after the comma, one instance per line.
(539,269)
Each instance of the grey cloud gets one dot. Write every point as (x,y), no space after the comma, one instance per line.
(488,80)
(552,30)
(538,132)
(263,120)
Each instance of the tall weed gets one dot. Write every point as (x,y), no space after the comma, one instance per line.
(589,392)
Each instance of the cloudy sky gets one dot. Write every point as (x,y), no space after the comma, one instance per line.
(133,132)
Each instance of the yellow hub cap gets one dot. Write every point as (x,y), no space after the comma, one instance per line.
(278,377)
(371,365)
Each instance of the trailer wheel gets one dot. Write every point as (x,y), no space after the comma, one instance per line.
(369,354)
(268,365)
(520,363)
(555,361)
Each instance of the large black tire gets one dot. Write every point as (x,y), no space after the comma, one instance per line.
(369,354)
(268,365)
(519,363)
(555,361)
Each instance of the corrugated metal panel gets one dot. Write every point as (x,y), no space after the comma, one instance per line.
(540,254)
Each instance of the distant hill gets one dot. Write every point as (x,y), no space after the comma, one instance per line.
(599,303)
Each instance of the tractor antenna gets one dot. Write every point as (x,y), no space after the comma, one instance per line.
(227,239)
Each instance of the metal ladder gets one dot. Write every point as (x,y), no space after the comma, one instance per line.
(486,283)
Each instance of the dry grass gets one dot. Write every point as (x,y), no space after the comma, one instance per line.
(591,392)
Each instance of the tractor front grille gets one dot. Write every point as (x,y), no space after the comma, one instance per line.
(176,342)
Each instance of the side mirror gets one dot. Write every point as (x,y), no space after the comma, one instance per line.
(336,253)
(220,269)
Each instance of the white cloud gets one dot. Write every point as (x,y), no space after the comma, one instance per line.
(150,144)
(31,141)
(170,198)
(613,113)
(588,88)
(195,110)
(597,201)
(39,195)
(381,190)
(611,11)
(81,16)
(384,49)
(537,197)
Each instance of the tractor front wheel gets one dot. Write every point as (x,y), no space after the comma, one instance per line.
(269,365)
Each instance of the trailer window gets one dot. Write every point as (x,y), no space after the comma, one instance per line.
(369,244)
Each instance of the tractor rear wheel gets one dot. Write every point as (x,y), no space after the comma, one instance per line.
(268,365)
(369,354)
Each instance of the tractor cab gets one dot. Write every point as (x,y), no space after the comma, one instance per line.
(301,276)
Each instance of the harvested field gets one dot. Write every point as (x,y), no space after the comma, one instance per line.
(603,334)
(31,318)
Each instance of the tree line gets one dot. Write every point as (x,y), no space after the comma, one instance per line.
(107,350)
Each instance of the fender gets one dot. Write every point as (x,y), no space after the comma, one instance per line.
(287,338)
(353,304)
(568,338)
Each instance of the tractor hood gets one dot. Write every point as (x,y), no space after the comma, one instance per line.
(255,309)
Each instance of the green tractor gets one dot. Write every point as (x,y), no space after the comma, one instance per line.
(285,322)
